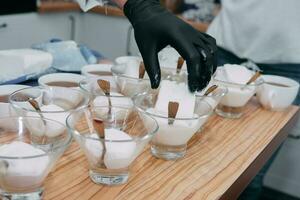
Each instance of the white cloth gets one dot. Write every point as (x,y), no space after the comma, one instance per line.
(264,31)
(86,5)
(15,63)
(31,60)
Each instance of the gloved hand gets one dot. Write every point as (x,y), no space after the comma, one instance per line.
(155,28)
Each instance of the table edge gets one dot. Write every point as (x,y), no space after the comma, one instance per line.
(242,182)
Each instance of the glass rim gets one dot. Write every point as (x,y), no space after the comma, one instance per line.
(172,69)
(113,71)
(41,88)
(65,144)
(176,119)
(258,82)
(89,80)
(296,84)
(75,132)
(216,95)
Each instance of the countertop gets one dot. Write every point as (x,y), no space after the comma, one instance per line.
(48,7)
(219,164)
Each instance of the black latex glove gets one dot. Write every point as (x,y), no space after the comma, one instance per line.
(155,28)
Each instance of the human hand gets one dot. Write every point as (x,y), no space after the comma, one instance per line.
(155,28)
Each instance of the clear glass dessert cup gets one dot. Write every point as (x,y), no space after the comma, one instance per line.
(233,103)
(170,142)
(26,158)
(129,86)
(55,103)
(127,133)
(213,99)
(97,95)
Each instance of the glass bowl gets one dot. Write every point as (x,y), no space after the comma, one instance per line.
(130,86)
(126,131)
(97,95)
(27,155)
(214,98)
(170,142)
(238,95)
(55,103)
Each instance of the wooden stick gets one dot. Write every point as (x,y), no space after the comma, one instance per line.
(142,70)
(210,90)
(179,64)
(253,78)
(100,130)
(172,111)
(35,105)
(105,86)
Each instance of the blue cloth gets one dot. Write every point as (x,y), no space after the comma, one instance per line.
(68,56)
(88,54)
(91,56)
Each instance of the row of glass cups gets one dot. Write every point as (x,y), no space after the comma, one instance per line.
(129,130)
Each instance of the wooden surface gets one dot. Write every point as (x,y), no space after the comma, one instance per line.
(219,163)
(48,7)
(52,7)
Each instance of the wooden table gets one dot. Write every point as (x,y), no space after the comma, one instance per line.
(219,163)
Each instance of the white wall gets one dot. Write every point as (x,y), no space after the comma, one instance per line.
(23,30)
(106,34)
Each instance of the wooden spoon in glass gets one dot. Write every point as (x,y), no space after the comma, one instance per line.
(36,106)
(100,130)
(105,87)
(179,64)
(172,111)
(252,79)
